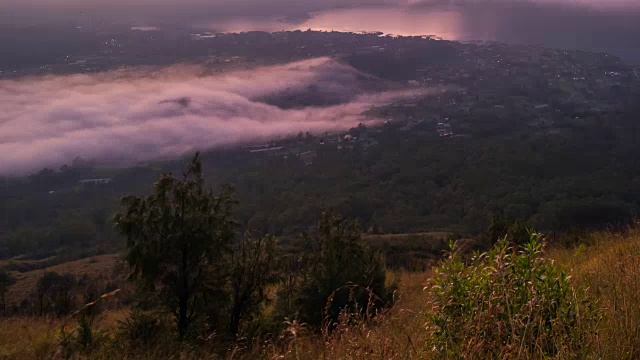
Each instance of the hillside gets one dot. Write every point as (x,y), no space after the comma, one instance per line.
(605,266)
(523,132)
(351,196)
(92,267)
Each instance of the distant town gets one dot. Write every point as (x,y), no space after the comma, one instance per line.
(482,88)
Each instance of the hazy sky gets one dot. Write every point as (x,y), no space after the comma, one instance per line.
(253,7)
(207,8)
(598,25)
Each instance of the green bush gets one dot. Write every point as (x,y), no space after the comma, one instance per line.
(508,303)
(339,274)
(141,329)
(83,340)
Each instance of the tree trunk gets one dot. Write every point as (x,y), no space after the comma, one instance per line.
(183,318)
(236,313)
(183,321)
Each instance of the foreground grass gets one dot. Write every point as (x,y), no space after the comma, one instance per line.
(399,333)
(38,338)
(28,338)
(608,268)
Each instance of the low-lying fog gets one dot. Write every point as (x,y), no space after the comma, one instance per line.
(125,116)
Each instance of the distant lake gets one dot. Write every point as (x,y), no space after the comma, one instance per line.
(613,31)
(443,22)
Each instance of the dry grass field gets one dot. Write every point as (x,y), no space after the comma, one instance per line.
(93,266)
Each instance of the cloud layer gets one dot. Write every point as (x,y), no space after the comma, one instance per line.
(123,116)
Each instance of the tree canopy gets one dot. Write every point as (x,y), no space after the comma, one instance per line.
(177,239)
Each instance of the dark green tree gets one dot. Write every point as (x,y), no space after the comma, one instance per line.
(6,280)
(55,293)
(178,240)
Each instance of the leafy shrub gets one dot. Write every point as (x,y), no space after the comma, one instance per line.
(84,339)
(339,274)
(140,329)
(508,303)
(85,332)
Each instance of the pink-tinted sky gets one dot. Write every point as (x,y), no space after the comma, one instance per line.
(596,25)
(218,8)
(593,25)
(265,6)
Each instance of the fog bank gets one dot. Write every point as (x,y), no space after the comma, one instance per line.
(128,117)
